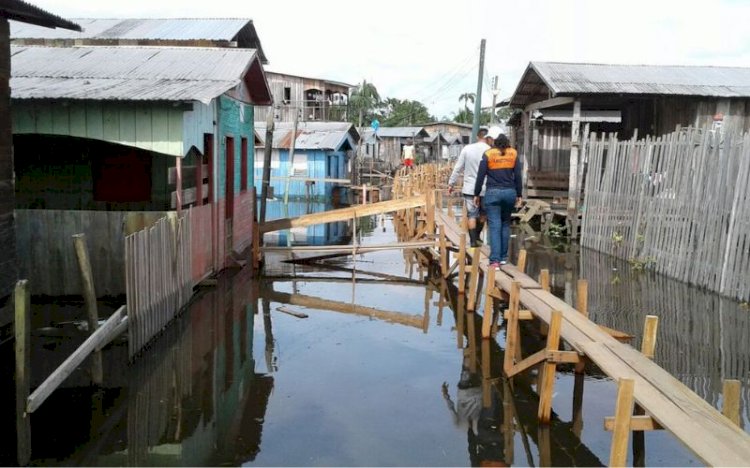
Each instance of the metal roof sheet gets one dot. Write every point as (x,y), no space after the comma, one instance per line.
(401,132)
(581,78)
(29,15)
(126,73)
(217,29)
(310,135)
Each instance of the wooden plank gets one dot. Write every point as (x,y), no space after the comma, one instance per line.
(488,304)
(637,423)
(343,214)
(731,401)
(553,102)
(22,347)
(73,361)
(618,453)
(648,346)
(89,296)
(548,379)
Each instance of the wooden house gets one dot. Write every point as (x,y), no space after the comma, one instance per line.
(313,99)
(558,101)
(451,130)
(107,137)
(322,155)
(23,13)
(393,139)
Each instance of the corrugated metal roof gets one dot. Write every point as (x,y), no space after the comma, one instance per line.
(310,135)
(566,115)
(216,29)
(126,73)
(582,78)
(402,132)
(29,15)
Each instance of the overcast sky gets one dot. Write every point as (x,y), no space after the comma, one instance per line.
(429,50)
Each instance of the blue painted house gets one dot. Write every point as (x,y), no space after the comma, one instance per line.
(321,163)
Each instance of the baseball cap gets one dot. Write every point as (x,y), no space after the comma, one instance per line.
(494,132)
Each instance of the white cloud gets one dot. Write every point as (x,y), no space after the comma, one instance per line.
(415,49)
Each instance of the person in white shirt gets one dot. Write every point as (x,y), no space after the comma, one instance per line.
(468,163)
(408,154)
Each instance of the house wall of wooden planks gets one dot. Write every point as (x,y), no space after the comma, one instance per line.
(678,204)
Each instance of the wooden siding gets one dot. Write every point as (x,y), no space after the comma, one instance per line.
(7,200)
(196,123)
(298,85)
(155,127)
(699,112)
(47,256)
(320,165)
(235,121)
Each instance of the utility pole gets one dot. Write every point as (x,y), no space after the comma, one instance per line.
(266,179)
(478,99)
(495,92)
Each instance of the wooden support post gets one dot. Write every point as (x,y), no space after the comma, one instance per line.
(648,346)
(462,260)
(547,386)
(545,446)
(473,280)
(511,328)
(544,282)
(488,305)
(731,404)
(443,253)
(430,208)
(582,305)
(460,320)
(623,413)
(451,214)
(521,260)
(472,333)
(89,296)
(22,325)
(577,419)
(573,183)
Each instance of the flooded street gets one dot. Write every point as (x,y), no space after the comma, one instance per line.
(287,371)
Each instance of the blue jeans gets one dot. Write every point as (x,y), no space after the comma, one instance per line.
(499,204)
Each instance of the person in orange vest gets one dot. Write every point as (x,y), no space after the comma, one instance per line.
(503,192)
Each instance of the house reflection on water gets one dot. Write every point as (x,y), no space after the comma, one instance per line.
(194,398)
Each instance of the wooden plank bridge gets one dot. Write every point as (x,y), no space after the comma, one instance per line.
(648,397)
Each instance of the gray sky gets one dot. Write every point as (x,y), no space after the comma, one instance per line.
(429,50)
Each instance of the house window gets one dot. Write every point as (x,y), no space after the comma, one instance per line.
(243,165)
(300,165)
(287,94)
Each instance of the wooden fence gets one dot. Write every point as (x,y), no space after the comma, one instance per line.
(158,277)
(678,204)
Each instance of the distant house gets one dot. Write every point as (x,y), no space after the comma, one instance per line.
(24,13)
(393,140)
(313,99)
(451,129)
(107,135)
(322,154)
(555,98)
(196,32)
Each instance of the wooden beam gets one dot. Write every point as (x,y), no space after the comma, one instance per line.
(343,214)
(530,361)
(348,248)
(89,296)
(22,326)
(511,328)
(648,346)
(488,304)
(547,386)
(554,102)
(522,314)
(637,423)
(564,357)
(521,264)
(731,401)
(73,361)
(618,453)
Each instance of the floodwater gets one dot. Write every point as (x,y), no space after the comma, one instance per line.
(242,377)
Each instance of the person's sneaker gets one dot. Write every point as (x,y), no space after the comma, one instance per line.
(495,265)
(503,262)
(476,243)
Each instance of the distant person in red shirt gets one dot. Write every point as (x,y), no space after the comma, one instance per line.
(407,154)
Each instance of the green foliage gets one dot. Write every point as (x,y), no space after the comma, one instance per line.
(363,101)
(467,117)
(396,112)
(556,231)
(641,263)
(466,97)
(617,238)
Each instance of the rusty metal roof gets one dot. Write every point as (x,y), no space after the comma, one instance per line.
(240,30)
(310,135)
(570,79)
(402,132)
(29,15)
(127,73)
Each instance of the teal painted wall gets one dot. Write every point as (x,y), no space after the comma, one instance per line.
(235,120)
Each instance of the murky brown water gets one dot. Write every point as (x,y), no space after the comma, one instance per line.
(238,379)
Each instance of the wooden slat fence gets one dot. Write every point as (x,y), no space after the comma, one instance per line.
(158,277)
(678,204)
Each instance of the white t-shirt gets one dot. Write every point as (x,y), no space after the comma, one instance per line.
(408,152)
(468,163)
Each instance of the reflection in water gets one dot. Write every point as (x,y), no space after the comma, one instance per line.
(703,338)
(194,397)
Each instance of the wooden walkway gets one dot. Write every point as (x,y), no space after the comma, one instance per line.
(649,398)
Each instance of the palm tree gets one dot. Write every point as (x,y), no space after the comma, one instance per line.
(466,97)
(364,99)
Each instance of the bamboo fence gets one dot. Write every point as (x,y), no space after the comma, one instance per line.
(677,204)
